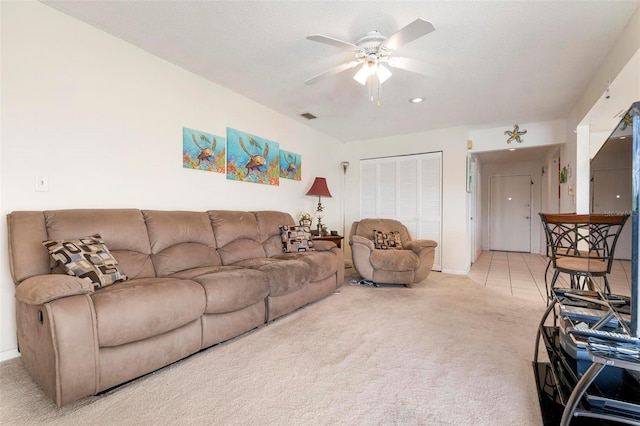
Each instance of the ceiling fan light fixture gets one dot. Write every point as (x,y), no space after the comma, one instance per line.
(362,75)
(379,70)
(373,49)
(383,73)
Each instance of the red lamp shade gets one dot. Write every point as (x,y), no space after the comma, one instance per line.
(319,188)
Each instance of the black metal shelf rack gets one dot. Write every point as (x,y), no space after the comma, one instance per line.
(599,389)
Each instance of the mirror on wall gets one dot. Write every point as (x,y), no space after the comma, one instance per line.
(611,171)
(614,191)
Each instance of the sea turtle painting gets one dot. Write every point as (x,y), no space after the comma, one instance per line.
(252,158)
(205,153)
(255,161)
(290,165)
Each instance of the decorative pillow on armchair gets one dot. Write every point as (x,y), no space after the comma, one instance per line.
(86,258)
(387,240)
(296,238)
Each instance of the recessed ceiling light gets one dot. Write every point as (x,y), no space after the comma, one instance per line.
(512,149)
(416,100)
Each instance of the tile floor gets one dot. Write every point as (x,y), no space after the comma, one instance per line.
(522,274)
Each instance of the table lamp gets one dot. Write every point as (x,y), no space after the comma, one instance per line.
(320,189)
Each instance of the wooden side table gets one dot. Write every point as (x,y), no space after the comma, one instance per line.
(337,239)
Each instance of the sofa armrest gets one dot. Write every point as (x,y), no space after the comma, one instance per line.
(417,245)
(361,249)
(41,289)
(323,245)
(357,239)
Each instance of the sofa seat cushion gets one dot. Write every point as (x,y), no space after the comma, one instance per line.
(138,309)
(189,274)
(394,260)
(321,264)
(285,275)
(231,288)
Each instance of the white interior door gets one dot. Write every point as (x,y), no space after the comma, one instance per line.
(510,213)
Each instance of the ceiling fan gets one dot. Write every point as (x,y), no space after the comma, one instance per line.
(374,50)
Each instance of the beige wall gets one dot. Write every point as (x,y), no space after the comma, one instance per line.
(594,113)
(103,120)
(614,63)
(453,144)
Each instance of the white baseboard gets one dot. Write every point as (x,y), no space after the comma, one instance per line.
(455,271)
(10,354)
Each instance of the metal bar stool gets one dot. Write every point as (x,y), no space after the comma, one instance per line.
(581,246)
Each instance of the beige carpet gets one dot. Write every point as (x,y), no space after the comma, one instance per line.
(445,352)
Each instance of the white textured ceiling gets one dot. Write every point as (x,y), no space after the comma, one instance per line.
(508,61)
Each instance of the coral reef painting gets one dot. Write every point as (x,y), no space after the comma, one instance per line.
(202,151)
(252,159)
(290,165)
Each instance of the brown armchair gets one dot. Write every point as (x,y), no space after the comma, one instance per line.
(383,252)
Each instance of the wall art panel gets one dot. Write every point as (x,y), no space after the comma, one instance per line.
(252,159)
(290,165)
(202,151)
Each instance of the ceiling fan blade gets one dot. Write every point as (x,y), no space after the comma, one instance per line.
(333,42)
(333,71)
(413,65)
(414,30)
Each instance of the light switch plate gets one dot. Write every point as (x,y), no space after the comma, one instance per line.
(42,183)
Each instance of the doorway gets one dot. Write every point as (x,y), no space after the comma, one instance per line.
(510,213)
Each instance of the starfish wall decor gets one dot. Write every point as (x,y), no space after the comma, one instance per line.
(627,121)
(515,135)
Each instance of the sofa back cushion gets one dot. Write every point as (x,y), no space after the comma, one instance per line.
(269,223)
(180,240)
(146,243)
(237,235)
(367,227)
(123,231)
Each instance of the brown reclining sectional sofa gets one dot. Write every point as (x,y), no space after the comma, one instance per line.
(195,279)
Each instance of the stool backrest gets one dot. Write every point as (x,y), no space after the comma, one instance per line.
(591,236)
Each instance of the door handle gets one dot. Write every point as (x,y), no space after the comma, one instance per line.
(527,217)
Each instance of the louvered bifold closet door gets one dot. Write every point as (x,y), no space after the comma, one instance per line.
(430,226)
(406,188)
